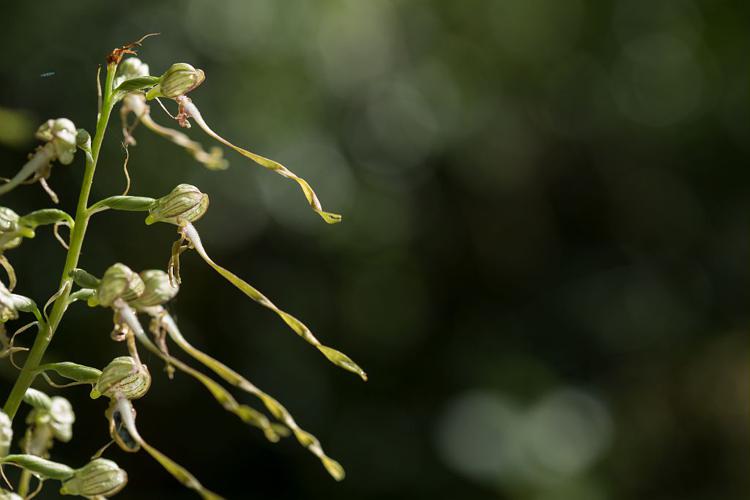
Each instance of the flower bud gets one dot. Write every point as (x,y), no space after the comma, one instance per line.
(130,68)
(8,220)
(8,307)
(100,477)
(62,134)
(6,434)
(62,418)
(178,80)
(9,495)
(124,377)
(185,203)
(119,281)
(8,229)
(159,290)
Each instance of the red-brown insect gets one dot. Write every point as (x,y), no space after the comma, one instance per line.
(116,55)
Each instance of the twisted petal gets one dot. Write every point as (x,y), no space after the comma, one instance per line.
(193,112)
(223,397)
(336,357)
(277,409)
(180,473)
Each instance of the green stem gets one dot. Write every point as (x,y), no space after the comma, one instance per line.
(46,332)
(24,483)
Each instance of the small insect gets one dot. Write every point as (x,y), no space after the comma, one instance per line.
(47,74)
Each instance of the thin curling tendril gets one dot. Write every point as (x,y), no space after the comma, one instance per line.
(278,410)
(222,396)
(190,110)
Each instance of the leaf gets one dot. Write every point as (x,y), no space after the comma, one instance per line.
(126,203)
(73,371)
(138,83)
(45,217)
(41,467)
(84,279)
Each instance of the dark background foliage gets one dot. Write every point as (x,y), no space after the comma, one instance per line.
(543,263)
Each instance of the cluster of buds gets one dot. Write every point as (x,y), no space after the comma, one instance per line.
(62,135)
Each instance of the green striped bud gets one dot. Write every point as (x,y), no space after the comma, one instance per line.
(124,377)
(159,290)
(100,477)
(184,204)
(62,133)
(178,80)
(119,282)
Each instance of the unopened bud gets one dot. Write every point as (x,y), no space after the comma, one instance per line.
(178,80)
(6,434)
(124,377)
(8,307)
(62,134)
(100,477)
(9,227)
(62,418)
(159,290)
(184,204)
(130,68)
(119,281)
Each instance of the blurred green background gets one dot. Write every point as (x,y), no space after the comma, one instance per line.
(543,263)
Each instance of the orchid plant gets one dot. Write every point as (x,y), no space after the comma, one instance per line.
(129,295)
